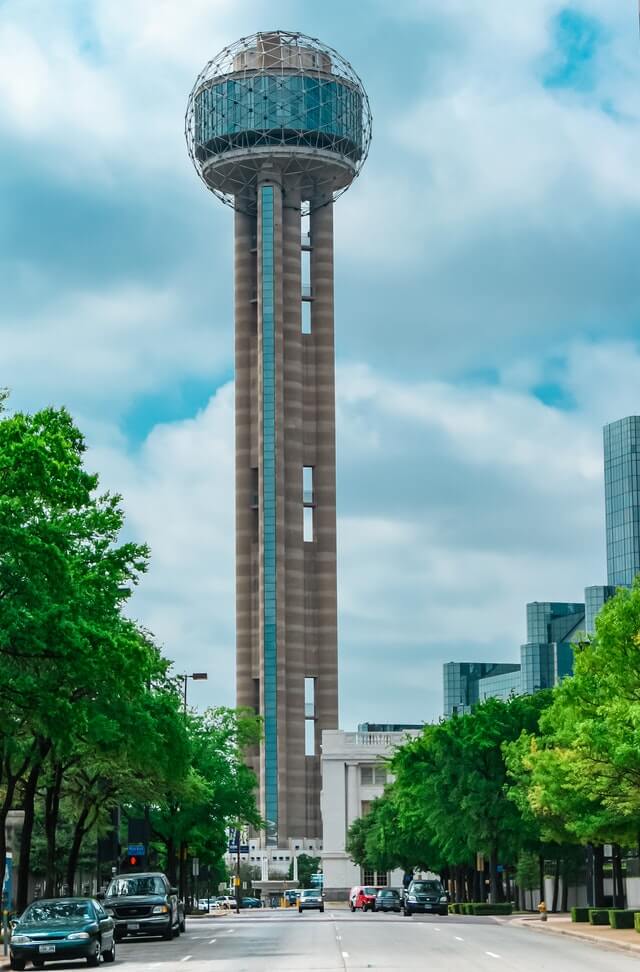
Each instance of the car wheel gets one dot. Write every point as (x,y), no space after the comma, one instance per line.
(38,963)
(352,906)
(168,934)
(299,910)
(110,956)
(183,925)
(18,963)
(94,958)
(407,913)
(321,909)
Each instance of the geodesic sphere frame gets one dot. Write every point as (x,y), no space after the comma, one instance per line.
(283,99)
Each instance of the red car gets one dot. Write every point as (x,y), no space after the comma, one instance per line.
(363,897)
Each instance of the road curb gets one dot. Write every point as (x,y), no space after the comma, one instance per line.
(593,939)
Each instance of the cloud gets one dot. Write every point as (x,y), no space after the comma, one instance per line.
(457,505)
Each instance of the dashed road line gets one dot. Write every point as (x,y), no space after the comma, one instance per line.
(492,955)
(345,955)
(186,958)
(213,941)
(458,939)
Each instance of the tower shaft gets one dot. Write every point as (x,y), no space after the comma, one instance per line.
(286,495)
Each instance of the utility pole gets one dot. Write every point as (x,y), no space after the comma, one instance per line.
(238,889)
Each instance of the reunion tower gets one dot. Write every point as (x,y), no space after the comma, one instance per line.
(278,125)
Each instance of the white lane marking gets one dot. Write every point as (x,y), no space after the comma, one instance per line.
(436,929)
(213,941)
(186,958)
(339,937)
(345,955)
(230,931)
(492,955)
(458,939)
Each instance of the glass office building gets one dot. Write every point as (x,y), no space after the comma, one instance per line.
(622,500)
(462,682)
(594,599)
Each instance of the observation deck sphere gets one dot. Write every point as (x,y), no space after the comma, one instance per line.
(282,101)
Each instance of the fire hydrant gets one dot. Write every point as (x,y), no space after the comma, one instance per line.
(542,908)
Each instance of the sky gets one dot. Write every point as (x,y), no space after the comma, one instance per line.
(487,309)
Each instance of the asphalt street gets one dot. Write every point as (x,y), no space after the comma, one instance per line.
(272,941)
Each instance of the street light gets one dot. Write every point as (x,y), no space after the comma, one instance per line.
(197,677)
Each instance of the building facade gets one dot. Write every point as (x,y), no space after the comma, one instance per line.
(622,500)
(354,773)
(278,125)
(463,681)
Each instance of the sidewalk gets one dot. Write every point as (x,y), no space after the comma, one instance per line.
(626,939)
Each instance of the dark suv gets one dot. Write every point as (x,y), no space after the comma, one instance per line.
(144,904)
(428,897)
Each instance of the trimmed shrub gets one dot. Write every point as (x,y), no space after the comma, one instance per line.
(636,921)
(579,914)
(455,908)
(619,918)
(466,908)
(598,916)
(501,908)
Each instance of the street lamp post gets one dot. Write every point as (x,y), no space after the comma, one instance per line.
(197,677)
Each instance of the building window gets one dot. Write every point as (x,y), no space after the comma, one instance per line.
(373,775)
(307,504)
(310,717)
(376,878)
(306,317)
(307,524)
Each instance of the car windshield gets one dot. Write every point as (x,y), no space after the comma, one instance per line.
(57,911)
(369,890)
(310,893)
(426,886)
(128,886)
(388,894)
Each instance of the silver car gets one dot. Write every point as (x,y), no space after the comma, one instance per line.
(310,898)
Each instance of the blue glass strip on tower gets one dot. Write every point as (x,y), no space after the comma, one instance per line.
(270,646)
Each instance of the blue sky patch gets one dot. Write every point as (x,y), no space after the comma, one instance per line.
(577,39)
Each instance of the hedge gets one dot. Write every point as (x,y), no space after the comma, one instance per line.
(598,916)
(455,908)
(579,914)
(636,921)
(501,908)
(619,918)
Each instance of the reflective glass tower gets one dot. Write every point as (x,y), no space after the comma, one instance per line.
(622,499)
(278,126)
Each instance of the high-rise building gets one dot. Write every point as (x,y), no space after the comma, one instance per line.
(463,681)
(278,125)
(622,500)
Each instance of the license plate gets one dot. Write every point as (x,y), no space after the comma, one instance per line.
(133,925)
(46,949)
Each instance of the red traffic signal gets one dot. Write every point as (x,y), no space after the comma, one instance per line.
(133,861)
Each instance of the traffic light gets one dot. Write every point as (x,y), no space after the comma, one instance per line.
(133,861)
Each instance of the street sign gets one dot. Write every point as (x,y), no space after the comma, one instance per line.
(135,850)
(233,848)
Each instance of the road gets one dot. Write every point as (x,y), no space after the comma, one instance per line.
(272,941)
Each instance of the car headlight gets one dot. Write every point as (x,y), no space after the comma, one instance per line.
(443,899)
(110,912)
(160,910)
(20,939)
(78,936)
(411,897)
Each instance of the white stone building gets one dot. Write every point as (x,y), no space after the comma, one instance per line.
(353,774)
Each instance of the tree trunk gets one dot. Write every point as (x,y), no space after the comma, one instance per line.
(618,881)
(171,862)
(493,875)
(541,876)
(565,889)
(598,876)
(507,882)
(51,816)
(556,884)
(29,806)
(183,870)
(80,830)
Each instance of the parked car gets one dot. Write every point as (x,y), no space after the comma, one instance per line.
(363,897)
(388,899)
(59,929)
(251,903)
(144,904)
(291,896)
(310,899)
(428,897)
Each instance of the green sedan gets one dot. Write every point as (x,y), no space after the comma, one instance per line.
(57,929)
